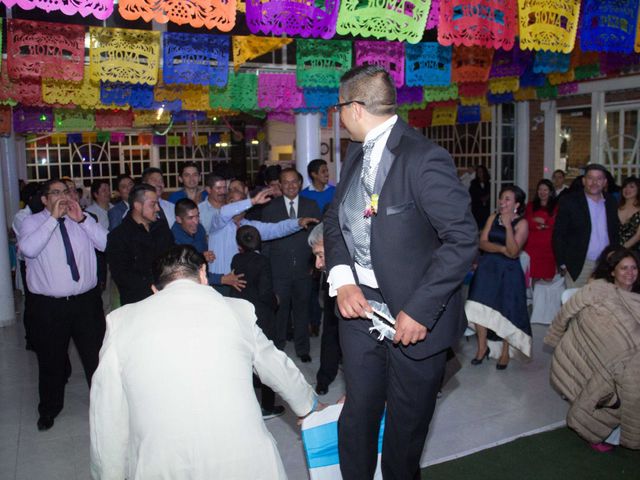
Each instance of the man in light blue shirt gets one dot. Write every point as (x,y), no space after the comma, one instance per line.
(222,233)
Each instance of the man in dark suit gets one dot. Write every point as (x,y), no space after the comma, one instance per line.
(400,233)
(291,262)
(587,222)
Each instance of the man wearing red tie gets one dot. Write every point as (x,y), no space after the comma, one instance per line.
(59,246)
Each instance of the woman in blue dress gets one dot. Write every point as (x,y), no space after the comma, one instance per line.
(497,303)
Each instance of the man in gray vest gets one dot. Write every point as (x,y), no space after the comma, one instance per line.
(400,236)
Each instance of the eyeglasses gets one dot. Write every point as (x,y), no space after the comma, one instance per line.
(56,193)
(338,106)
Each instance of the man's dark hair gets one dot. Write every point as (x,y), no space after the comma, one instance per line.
(119,178)
(291,169)
(596,166)
(180,261)
(314,166)
(248,238)
(46,186)
(212,178)
(271,173)
(184,206)
(95,186)
(147,172)
(560,171)
(137,193)
(372,85)
(518,193)
(186,165)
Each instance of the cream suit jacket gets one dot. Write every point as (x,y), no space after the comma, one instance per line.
(173,395)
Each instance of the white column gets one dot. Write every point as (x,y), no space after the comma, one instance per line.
(522,145)
(307,142)
(10,174)
(154,156)
(7,309)
(336,143)
(598,127)
(551,134)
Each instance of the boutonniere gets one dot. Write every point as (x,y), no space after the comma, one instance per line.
(372,209)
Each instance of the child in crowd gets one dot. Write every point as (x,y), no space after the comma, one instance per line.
(258,291)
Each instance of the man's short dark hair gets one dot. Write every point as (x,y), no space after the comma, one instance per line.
(212,178)
(119,178)
(46,186)
(314,166)
(184,206)
(137,193)
(372,85)
(291,169)
(596,166)
(186,165)
(147,172)
(560,171)
(248,238)
(271,173)
(180,261)
(95,186)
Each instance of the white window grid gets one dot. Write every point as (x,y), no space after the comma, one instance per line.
(89,161)
(469,145)
(622,141)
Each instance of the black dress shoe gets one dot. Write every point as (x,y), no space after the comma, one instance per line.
(322,389)
(305,358)
(45,422)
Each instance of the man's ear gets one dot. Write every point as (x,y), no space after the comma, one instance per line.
(202,275)
(154,289)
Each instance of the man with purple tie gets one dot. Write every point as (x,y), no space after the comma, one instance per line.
(59,247)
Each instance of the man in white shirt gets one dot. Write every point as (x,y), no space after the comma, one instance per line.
(173,394)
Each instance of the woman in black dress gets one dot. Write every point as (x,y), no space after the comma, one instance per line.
(497,303)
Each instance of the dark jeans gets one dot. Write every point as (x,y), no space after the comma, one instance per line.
(55,322)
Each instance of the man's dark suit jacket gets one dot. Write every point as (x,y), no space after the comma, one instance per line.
(290,256)
(423,237)
(131,251)
(572,230)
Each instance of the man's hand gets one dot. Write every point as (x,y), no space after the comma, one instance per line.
(319,407)
(59,208)
(304,222)
(234,280)
(209,256)
(74,211)
(262,197)
(408,331)
(351,302)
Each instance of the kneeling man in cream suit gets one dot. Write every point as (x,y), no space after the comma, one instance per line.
(173,395)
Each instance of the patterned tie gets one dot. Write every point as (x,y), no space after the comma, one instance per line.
(369,171)
(68,250)
(292,211)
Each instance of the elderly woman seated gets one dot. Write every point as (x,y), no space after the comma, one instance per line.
(596,363)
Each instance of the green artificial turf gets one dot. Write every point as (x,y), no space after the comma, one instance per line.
(559,454)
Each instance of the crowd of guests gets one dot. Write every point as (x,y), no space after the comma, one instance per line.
(589,234)
(255,245)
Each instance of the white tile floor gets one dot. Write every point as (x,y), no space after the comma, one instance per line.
(480,407)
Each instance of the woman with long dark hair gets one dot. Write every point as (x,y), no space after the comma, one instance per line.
(497,303)
(629,214)
(541,216)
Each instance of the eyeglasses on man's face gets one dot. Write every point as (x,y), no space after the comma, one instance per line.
(338,106)
(57,193)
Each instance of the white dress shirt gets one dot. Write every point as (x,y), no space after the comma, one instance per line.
(341,275)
